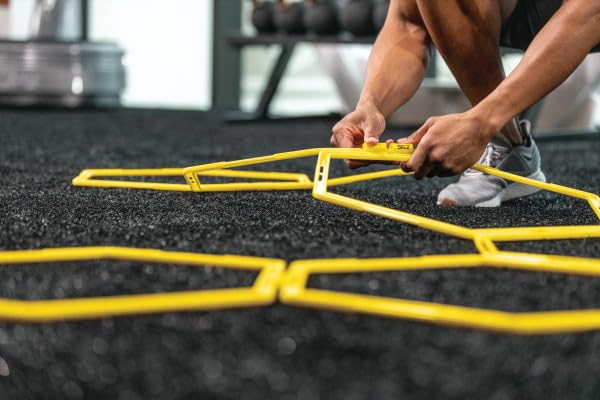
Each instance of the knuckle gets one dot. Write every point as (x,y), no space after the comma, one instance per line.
(447,165)
(425,143)
(435,157)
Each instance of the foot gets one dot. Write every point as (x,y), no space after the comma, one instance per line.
(474,188)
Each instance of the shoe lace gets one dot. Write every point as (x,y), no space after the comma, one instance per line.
(492,156)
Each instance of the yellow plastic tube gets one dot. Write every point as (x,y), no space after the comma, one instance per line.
(294,292)
(261,180)
(382,153)
(262,292)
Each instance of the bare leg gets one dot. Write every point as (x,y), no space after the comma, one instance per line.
(467,34)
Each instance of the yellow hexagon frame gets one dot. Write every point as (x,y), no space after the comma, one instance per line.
(192,175)
(263,292)
(321,184)
(298,181)
(486,238)
(294,292)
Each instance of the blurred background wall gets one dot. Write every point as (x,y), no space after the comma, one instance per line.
(169,44)
(168,47)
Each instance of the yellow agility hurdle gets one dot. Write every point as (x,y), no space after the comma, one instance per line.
(89,177)
(293,289)
(192,175)
(263,292)
(294,292)
(299,181)
(381,153)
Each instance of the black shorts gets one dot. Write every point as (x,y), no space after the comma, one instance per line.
(528,18)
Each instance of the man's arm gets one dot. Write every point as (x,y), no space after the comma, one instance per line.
(553,55)
(396,68)
(452,143)
(399,58)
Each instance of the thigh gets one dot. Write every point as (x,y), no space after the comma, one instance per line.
(407,11)
(526,20)
(453,18)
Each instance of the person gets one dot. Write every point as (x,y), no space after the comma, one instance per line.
(556,36)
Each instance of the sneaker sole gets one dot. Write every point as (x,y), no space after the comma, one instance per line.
(514,191)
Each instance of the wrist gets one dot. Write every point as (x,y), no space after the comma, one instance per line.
(488,121)
(367,102)
(494,113)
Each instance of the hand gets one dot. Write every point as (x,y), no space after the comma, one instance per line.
(364,125)
(448,145)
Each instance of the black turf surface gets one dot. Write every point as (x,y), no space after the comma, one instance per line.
(274,352)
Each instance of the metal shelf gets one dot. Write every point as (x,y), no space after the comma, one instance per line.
(284,39)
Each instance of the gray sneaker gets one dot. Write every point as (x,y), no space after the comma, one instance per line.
(474,188)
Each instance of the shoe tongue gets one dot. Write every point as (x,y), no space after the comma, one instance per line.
(499,143)
(501,140)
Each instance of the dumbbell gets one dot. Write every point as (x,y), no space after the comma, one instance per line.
(263,16)
(321,17)
(380,10)
(356,17)
(289,17)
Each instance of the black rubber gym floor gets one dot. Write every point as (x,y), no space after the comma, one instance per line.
(277,351)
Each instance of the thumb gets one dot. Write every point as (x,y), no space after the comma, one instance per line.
(373,128)
(417,135)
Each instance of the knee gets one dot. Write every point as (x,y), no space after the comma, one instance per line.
(458,21)
(405,17)
(465,7)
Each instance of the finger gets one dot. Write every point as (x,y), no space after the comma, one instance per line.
(344,141)
(342,136)
(404,167)
(333,141)
(388,142)
(354,164)
(418,157)
(371,140)
(415,137)
(424,171)
(373,129)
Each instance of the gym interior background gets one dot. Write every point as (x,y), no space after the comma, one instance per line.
(135,84)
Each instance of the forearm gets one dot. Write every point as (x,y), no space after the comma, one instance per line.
(552,56)
(396,66)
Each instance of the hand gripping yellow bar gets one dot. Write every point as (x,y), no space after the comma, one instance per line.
(263,292)
(294,292)
(192,175)
(376,153)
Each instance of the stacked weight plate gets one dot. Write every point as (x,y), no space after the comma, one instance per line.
(59,73)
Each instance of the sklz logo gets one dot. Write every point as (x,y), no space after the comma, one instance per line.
(401,148)
(394,148)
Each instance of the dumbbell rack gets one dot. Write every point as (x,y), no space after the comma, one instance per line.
(287,44)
